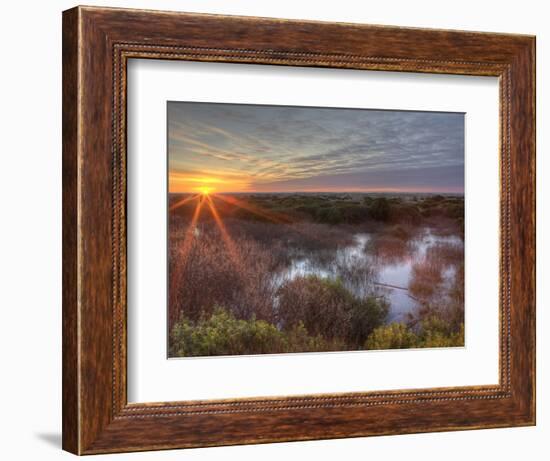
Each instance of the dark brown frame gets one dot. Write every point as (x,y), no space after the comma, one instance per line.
(97,43)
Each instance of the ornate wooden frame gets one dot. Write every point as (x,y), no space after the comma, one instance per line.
(97,43)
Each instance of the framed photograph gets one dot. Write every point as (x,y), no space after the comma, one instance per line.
(281,230)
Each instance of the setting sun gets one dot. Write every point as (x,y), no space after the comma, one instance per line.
(205,190)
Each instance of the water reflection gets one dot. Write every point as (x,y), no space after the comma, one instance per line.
(403,268)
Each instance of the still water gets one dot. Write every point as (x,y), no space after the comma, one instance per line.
(361,271)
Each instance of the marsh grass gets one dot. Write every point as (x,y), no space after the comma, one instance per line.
(230,291)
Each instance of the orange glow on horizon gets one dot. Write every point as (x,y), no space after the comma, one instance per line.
(227,182)
(193,183)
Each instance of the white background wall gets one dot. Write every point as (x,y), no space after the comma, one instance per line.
(30,228)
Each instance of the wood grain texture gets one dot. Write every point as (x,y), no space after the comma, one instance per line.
(70,383)
(97,43)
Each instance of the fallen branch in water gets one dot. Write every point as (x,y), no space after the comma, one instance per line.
(387,285)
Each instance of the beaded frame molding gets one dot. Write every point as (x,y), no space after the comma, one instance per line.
(97,43)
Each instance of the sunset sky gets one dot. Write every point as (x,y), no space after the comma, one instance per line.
(254,148)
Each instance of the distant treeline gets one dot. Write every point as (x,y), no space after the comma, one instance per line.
(337,209)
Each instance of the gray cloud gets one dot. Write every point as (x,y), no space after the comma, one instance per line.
(276,145)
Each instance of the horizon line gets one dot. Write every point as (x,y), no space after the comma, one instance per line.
(325,192)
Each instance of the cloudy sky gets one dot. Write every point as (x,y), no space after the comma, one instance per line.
(240,147)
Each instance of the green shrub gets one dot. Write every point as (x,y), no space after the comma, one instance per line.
(330,215)
(432,333)
(353,213)
(435,332)
(392,336)
(367,315)
(437,339)
(223,334)
(309,210)
(380,209)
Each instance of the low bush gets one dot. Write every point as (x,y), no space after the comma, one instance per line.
(332,215)
(380,209)
(438,339)
(366,316)
(392,336)
(329,310)
(432,333)
(223,334)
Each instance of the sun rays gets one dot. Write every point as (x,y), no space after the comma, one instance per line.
(228,241)
(182,202)
(189,235)
(205,196)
